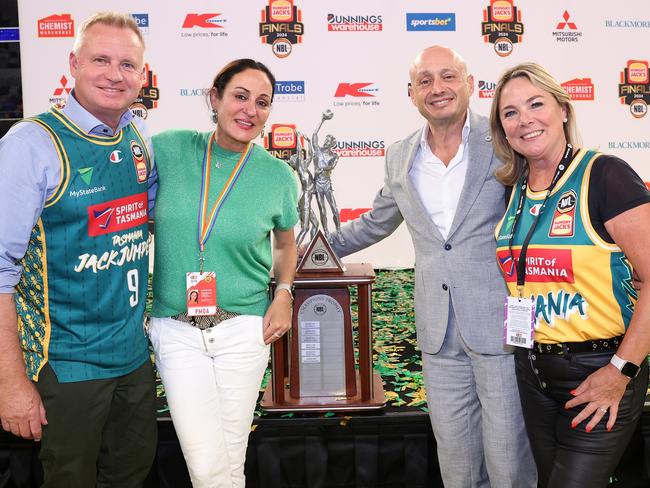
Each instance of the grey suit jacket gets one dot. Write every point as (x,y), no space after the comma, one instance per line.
(459,273)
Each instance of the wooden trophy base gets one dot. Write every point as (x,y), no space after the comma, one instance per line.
(326,404)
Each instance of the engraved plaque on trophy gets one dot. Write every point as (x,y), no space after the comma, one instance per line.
(321,347)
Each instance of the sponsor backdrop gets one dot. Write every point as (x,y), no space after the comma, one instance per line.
(353,58)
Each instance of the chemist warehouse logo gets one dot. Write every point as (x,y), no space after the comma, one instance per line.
(117,215)
(354,23)
(634,89)
(360,149)
(579,89)
(281,142)
(56,26)
(502,26)
(149,95)
(281,26)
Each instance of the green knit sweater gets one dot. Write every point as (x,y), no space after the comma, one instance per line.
(239,248)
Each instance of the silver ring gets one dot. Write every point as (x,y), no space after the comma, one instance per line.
(602,409)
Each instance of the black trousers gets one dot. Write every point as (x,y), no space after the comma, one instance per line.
(566,457)
(100,433)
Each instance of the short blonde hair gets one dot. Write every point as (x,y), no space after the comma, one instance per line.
(113,19)
(513,162)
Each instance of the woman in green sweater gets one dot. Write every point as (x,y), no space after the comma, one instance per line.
(220,198)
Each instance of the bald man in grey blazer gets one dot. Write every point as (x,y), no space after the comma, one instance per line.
(440,181)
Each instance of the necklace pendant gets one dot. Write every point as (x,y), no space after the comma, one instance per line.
(217,165)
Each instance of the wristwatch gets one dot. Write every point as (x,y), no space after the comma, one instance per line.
(625,367)
(287,287)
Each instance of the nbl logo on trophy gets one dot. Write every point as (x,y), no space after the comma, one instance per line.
(281,26)
(148,96)
(502,26)
(634,89)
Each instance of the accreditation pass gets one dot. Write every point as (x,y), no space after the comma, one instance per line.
(519,323)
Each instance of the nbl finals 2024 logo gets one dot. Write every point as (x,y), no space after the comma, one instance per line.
(634,89)
(281,26)
(502,26)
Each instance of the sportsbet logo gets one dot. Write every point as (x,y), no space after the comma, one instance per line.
(283,136)
(116,215)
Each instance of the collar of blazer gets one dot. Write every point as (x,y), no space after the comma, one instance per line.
(480,154)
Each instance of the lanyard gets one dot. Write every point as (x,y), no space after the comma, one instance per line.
(205,227)
(521,262)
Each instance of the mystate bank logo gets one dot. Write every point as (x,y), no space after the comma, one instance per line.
(634,89)
(148,97)
(281,142)
(502,26)
(281,26)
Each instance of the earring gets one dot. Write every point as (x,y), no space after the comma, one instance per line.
(214,115)
(262,133)
(566,119)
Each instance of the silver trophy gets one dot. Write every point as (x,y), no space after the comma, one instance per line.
(324,160)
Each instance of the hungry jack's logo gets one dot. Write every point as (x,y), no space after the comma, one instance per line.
(281,141)
(149,95)
(502,26)
(281,26)
(634,89)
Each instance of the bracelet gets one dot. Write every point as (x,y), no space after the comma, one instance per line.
(287,287)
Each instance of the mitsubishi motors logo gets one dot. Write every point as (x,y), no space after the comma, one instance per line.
(566,24)
(60,93)
(566,30)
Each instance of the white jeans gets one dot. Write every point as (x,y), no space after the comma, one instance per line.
(212,379)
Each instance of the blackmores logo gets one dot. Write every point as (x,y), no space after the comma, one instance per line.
(354,23)
(281,26)
(290,91)
(634,89)
(148,96)
(502,26)
(360,149)
(566,30)
(56,26)
(60,94)
(486,89)
(579,89)
(281,142)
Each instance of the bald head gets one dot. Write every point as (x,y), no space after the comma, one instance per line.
(440,86)
(435,55)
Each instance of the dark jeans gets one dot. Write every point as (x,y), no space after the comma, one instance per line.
(566,457)
(101,432)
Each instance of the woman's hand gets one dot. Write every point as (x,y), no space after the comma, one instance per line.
(277,320)
(601,391)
